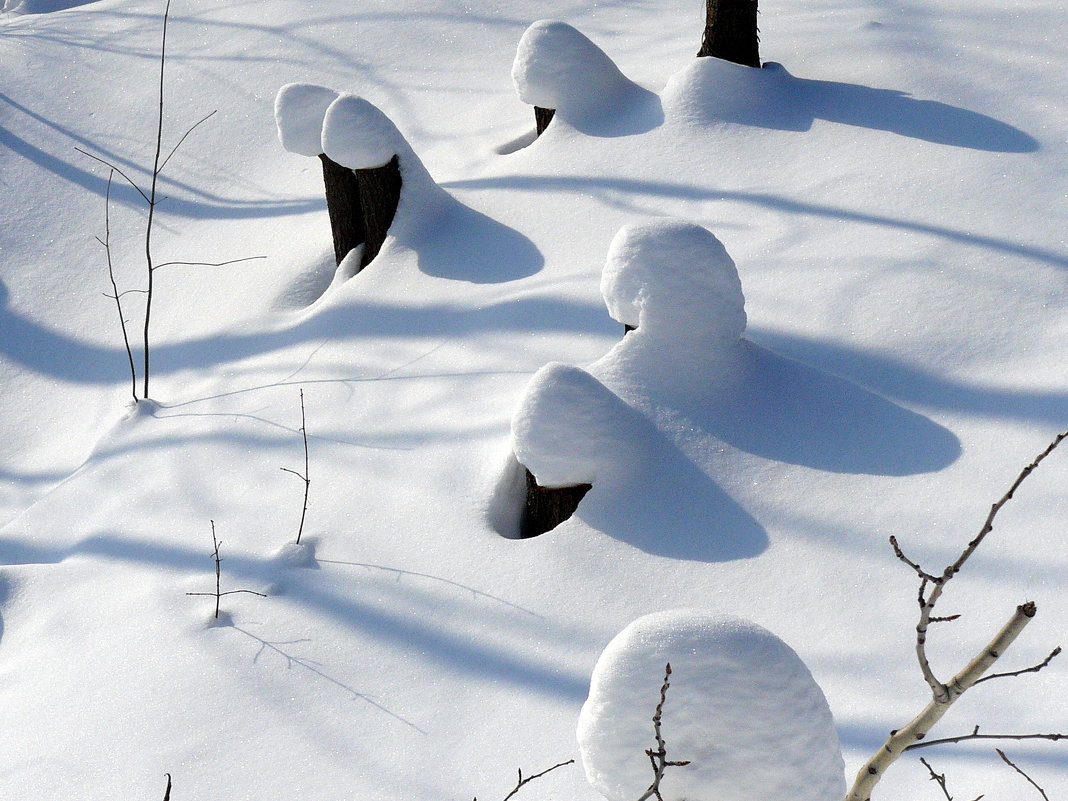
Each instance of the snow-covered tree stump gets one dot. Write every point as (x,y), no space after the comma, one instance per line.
(731,32)
(380,189)
(558,70)
(547,507)
(299,109)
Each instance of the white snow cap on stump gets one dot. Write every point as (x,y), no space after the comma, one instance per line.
(299,109)
(358,135)
(742,707)
(675,278)
(569,428)
(557,67)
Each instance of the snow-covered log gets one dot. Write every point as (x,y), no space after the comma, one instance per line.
(299,109)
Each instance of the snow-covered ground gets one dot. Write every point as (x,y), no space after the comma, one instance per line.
(891,189)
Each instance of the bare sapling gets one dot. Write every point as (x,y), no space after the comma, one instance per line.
(524,780)
(945,693)
(151,200)
(658,756)
(305,475)
(218,594)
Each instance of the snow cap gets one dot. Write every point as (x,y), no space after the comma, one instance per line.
(742,707)
(299,109)
(673,277)
(557,67)
(358,135)
(569,427)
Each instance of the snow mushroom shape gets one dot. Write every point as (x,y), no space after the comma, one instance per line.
(742,707)
(557,67)
(299,109)
(569,428)
(675,278)
(357,134)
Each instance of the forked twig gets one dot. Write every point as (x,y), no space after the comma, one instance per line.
(522,781)
(1019,770)
(218,594)
(658,758)
(305,476)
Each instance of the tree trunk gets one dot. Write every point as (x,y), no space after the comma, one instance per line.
(380,189)
(343,206)
(542,118)
(547,508)
(731,31)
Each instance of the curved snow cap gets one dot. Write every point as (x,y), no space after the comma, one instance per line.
(358,135)
(569,428)
(299,109)
(557,67)
(673,277)
(742,707)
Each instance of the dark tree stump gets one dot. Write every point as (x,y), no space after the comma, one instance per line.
(731,32)
(343,206)
(380,189)
(546,508)
(542,118)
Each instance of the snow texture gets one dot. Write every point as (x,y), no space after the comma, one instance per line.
(742,707)
(558,67)
(569,428)
(356,134)
(299,109)
(676,278)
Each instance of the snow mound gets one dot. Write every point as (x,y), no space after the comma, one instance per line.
(569,428)
(742,707)
(673,278)
(557,67)
(711,91)
(358,135)
(299,109)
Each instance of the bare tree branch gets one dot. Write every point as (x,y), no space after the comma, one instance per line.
(1052,655)
(944,694)
(1019,770)
(658,758)
(939,778)
(167,794)
(218,594)
(976,736)
(191,129)
(305,476)
(108,164)
(117,297)
(523,781)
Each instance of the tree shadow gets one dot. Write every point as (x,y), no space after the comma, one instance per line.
(714,91)
(45,6)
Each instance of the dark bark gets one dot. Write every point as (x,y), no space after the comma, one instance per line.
(380,189)
(546,508)
(343,206)
(542,118)
(731,31)
(627,328)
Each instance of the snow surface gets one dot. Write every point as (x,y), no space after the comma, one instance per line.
(299,109)
(895,208)
(741,707)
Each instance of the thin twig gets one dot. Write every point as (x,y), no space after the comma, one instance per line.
(107,163)
(939,778)
(658,758)
(167,794)
(218,594)
(1019,770)
(205,263)
(191,129)
(106,242)
(1052,655)
(152,192)
(961,738)
(305,476)
(523,781)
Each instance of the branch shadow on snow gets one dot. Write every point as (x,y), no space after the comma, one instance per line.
(773,98)
(370,615)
